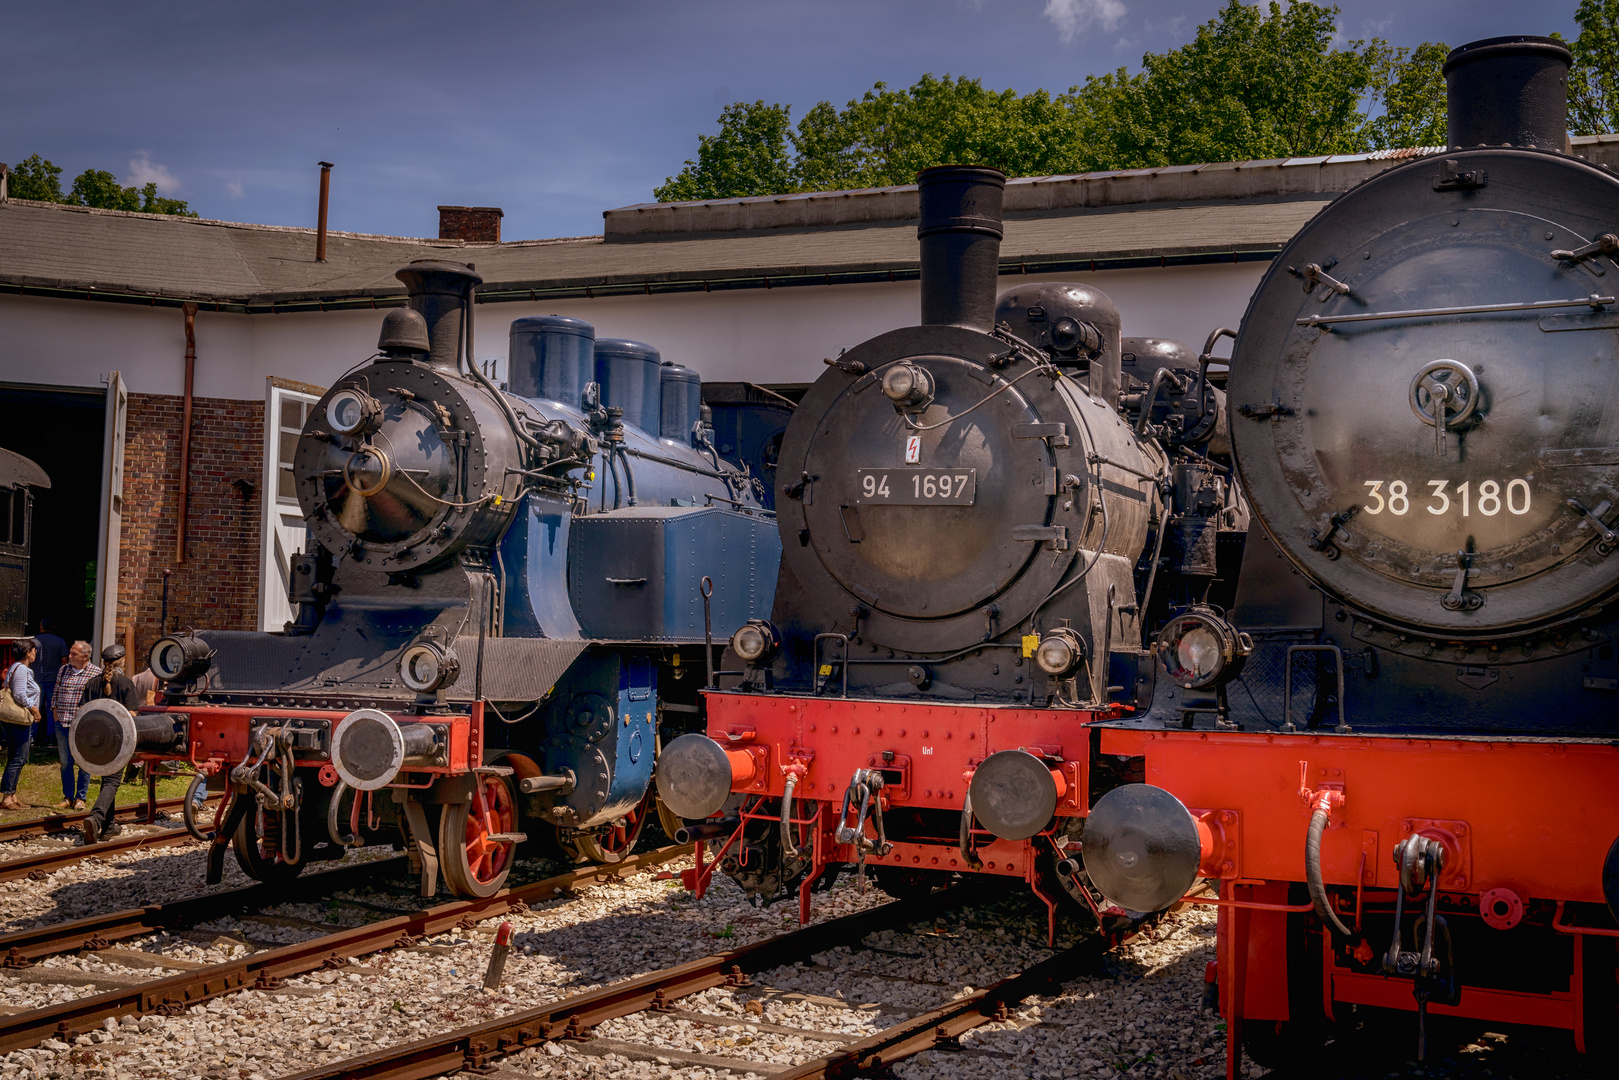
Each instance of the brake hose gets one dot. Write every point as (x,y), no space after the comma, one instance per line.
(1312,870)
(789,850)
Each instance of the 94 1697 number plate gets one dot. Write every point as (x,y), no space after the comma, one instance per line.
(916,487)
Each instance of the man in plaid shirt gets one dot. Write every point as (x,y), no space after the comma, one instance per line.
(70,683)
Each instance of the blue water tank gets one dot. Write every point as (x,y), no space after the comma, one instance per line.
(551,357)
(628,373)
(682,401)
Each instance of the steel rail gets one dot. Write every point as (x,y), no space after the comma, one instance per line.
(22,948)
(45,863)
(32,828)
(266,970)
(942,1027)
(476,1046)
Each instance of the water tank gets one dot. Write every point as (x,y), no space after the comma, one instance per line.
(552,357)
(682,401)
(629,375)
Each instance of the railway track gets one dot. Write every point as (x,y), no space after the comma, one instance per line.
(37,866)
(25,947)
(478,1047)
(174,994)
(33,828)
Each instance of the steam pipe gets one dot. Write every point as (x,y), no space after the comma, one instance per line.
(190,310)
(960,231)
(320,221)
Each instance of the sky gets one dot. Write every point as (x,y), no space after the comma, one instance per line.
(552,111)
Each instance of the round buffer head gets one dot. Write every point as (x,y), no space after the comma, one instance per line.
(102,737)
(368,749)
(1013,794)
(694,776)
(1141,847)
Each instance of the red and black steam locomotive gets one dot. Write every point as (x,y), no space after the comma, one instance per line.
(1383,722)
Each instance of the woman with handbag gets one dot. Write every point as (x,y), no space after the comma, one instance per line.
(19,708)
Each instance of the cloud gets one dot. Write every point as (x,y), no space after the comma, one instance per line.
(1072,16)
(143,170)
(233,188)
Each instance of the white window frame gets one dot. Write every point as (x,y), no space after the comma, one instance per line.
(273,608)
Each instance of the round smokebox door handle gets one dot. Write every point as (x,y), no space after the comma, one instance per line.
(1444,393)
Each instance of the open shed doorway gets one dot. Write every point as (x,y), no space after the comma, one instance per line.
(63,432)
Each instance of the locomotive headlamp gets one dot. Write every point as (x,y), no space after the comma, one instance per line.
(427,666)
(756,642)
(908,385)
(352,412)
(1200,649)
(1059,652)
(179,657)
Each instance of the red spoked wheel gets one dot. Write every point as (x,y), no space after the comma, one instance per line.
(613,842)
(475,862)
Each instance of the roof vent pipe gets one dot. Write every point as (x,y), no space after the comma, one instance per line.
(960,233)
(320,220)
(438,289)
(1508,90)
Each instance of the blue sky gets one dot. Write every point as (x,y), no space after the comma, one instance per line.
(554,112)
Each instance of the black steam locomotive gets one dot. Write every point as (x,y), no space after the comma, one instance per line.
(501,609)
(18,478)
(973,513)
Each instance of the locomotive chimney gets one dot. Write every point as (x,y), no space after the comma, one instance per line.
(1508,90)
(960,232)
(438,288)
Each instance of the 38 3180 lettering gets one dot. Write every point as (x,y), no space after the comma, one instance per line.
(1488,498)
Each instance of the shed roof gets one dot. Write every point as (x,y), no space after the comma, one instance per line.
(1225,211)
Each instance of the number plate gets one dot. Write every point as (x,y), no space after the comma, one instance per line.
(916,487)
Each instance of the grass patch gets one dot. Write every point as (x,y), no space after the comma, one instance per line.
(39,788)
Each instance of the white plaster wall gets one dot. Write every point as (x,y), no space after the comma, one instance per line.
(758,335)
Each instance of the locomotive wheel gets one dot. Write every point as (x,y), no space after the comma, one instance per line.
(257,844)
(669,821)
(613,842)
(474,865)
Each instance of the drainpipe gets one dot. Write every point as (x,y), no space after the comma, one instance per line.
(320,225)
(190,310)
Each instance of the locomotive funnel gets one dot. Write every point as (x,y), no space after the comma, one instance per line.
(960,232)
(438,289)
(696,775)
(105,736)
(1508,90)
(369,748)
(1142,847)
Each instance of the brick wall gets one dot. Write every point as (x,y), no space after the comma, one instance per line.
(478,224)
(217,586)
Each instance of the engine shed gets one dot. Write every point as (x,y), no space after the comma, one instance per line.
(159,369)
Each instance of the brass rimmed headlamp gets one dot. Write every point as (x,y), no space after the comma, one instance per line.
(1200,649)
(756,642)
(908,386)
(427,667)
(1060,652)
(368,470)
(353,412)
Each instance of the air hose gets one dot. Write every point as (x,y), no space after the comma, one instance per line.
(1312,870)
(789,850)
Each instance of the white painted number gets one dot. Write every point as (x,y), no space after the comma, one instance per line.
(1488,502)
(873,485)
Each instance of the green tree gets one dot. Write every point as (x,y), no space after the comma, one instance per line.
(35,178)
(1593,85)
(1251,84)
(747,157)
(1414,100)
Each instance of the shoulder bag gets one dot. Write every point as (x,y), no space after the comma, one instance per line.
(11,710)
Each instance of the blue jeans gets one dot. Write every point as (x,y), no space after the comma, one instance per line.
(65,752)
(18,738)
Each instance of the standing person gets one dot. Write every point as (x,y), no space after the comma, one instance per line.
(52,651)
(19,679)
(71,680)
(111,683)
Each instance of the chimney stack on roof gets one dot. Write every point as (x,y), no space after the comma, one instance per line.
(474,224)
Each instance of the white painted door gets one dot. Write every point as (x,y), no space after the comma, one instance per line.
(112,513)
(285,411)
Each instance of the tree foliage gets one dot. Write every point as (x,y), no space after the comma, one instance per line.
(37,178)
(1252,83)
(1593,85)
